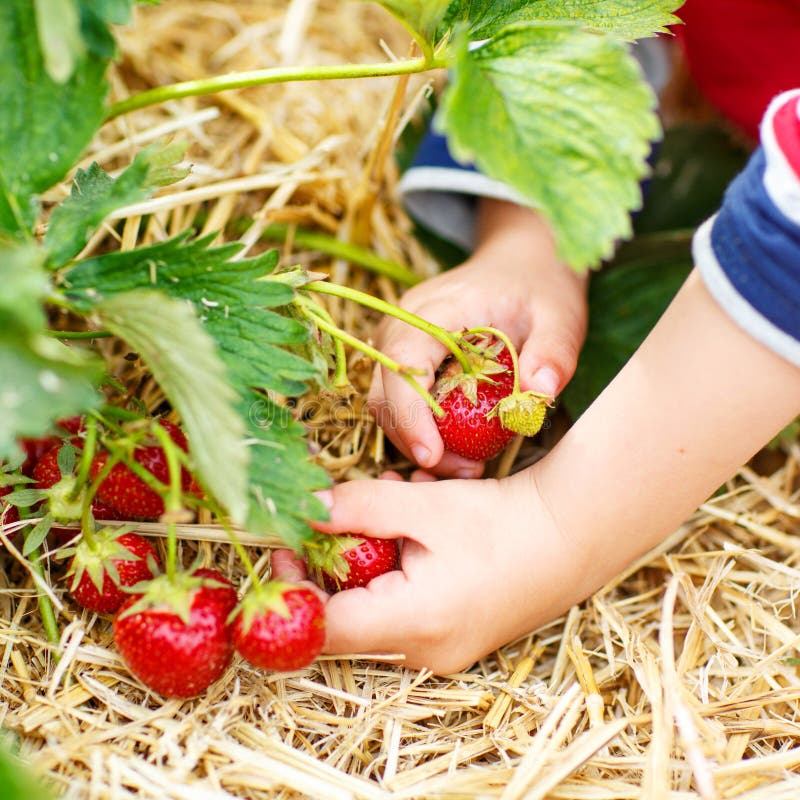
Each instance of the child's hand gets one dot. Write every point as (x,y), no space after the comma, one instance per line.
(482,563)
(513,282)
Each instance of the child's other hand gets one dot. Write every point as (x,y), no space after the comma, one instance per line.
(513,282)
(482,563)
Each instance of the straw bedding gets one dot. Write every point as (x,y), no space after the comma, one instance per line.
(678,680)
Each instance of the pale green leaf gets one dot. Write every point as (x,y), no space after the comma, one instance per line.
(184,360)
(95,194)
(44,125)
(629,19)
(564,117)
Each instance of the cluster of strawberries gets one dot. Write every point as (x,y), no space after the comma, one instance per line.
(177,633)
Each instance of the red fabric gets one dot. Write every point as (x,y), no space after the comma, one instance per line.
(787,133)
(741,53)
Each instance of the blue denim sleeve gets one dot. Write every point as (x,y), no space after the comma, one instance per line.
(749,253)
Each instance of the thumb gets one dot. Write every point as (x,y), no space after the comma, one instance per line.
(373,620)
(550,355)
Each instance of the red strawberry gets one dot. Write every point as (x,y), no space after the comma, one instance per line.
(468,399)
(175,638)
(8,513)
(107,562)
(347,562)
(280,627)
(129,494)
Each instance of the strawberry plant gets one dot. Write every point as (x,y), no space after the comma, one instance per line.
(543,95)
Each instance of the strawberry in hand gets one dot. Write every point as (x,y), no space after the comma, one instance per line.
(280,626)
(485,408)
(175,637)
(105,562)
(348,562)
(468,398)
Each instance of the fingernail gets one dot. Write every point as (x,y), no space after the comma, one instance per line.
(545,381)
(325,497)
(421,454)
(467,474)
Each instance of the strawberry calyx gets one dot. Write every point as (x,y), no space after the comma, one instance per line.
(482,359)
(522,412)
(171,594)
(324,554)
(262,599)
(96,557)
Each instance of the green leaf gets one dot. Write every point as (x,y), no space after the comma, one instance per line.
(234,301)
(563,116)
(282,475)
(37,535)
(629,19)
(184,360)
(40,378)
(44,125)
(625,302)
(232,298)
(421,17)
(95,195)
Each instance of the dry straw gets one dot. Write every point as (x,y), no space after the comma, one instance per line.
(678,680)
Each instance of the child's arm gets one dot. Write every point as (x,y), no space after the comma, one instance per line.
(513,281)
(487,561)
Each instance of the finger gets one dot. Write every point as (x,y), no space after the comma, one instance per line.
(550,355)
(387,509)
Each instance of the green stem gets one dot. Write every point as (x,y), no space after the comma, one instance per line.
(263,77)
(45,605)
(440,334)
(87,454)
(381,358)
(344,250)
(509,345)
(172,502)
(340,377)
(87,518)
(237,546)
(80,334)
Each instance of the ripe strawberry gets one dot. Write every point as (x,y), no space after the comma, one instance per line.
(175,637)
(73,425)
(347,562)
(280,627)
(129,494)
(467,401)
(103,565)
